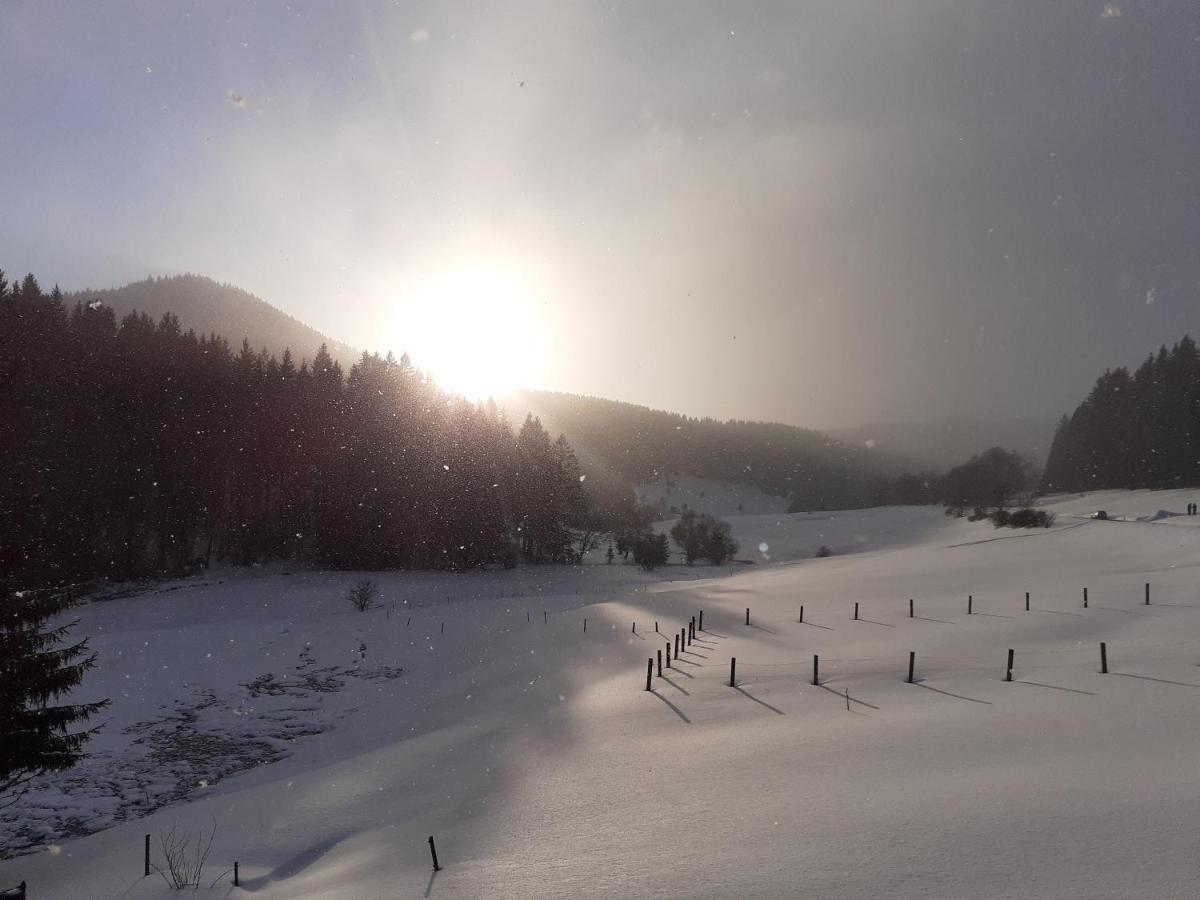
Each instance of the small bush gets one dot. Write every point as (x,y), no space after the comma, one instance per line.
(823,551)
(1026,517)
(651,551)
(183,863)
(363,595)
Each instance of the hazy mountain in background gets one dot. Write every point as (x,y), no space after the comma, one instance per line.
(205,306)
(616,442)
(942,444)
(640,445)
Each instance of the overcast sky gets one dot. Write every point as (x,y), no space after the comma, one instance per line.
(820,213)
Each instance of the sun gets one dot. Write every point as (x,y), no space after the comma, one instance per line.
(476,331)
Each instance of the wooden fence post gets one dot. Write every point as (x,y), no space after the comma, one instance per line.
(856,612)
(747,615)
(147,867)
(732,670)
(701,620)
(676,645)
(649,671)
(635,627)
(659,654)
(815,664)
(1103,658)
(1027,601)
(1147,593)
(236,879)
(970,604)
(668,654)
(912,661)
(545,618)
(1085,598)
(433,852)
(1008,671)
(585,624)
(910,607)
(801,613)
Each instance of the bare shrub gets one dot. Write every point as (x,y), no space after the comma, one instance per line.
(363,595)
(184,856)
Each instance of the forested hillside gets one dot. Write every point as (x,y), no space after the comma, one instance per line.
(1134,430)
(641,444)
(133,447)
(206,307)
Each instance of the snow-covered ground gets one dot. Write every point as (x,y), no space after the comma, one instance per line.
(720,498)
(327,744)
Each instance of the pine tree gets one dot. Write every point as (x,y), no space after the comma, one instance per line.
(35,670)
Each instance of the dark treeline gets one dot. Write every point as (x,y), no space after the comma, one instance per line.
(643,444)
(1139,430)
(134,448)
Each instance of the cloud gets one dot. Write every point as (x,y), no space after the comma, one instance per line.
(419,35)
(1111,11)
(235,98)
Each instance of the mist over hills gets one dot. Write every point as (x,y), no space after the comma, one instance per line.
(945,443)
(616,441)
(207,307)
(639,445)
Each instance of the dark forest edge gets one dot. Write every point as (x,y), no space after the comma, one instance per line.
(140,449)
(1134,430)
(137,449)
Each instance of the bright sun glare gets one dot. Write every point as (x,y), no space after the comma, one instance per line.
(476,331)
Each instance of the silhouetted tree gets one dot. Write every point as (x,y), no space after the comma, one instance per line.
(35,670)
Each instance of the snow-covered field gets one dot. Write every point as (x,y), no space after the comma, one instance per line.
(327,744)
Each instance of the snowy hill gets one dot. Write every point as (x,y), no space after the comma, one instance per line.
(532,752)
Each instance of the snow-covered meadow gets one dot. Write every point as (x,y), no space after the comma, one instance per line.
(326,745)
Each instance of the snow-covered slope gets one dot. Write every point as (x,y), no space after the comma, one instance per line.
(531,750)
(720,498)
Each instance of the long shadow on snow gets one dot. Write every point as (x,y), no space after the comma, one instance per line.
(1128,612)
(842,696)
(759,702)
(677,687)
(675,709)
(1053,687)
(1159,680)
(296,864)
(951,694)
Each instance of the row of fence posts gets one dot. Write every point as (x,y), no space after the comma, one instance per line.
(912,666)
(970,605)
(683,640)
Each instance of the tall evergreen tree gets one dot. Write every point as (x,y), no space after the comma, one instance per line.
(35,670)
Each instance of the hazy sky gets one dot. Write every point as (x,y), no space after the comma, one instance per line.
(821,213)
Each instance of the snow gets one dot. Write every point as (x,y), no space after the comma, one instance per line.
(704,495)
(535,756)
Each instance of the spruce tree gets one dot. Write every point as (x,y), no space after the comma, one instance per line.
(35,669)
